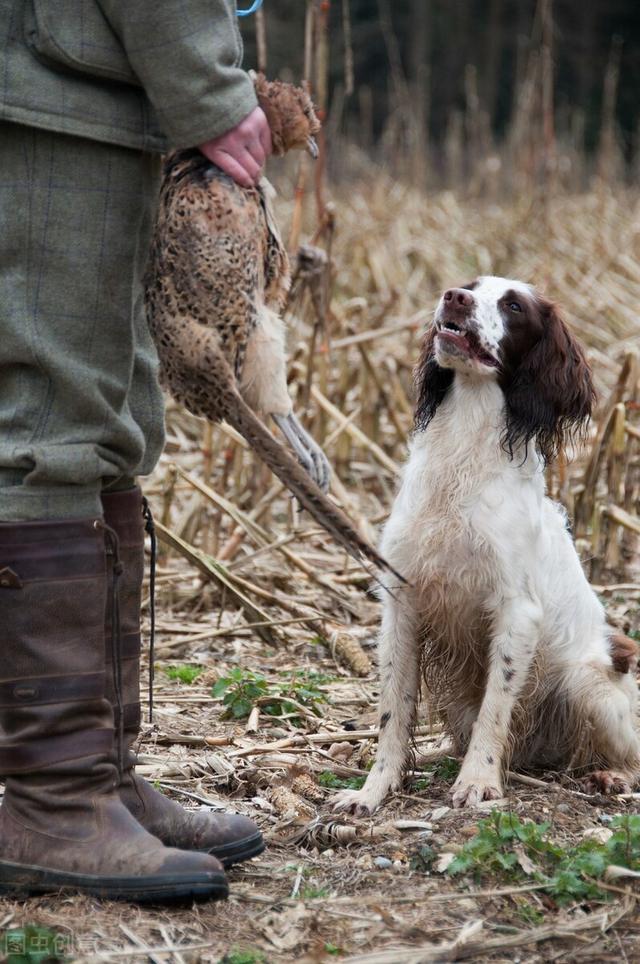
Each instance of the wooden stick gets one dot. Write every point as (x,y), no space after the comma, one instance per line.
(415,322)
(341,736)
(622,518)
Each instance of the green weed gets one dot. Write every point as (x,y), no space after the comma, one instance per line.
(333,782)
(240,689)
(185,674)
(446,769)
(313,893)
(530,914)
(302,686)
(240,955)
(422,860)
(317,641)
(568,874)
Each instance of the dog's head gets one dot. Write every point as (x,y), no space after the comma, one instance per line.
(496,328)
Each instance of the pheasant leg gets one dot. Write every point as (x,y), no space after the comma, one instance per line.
(311,456)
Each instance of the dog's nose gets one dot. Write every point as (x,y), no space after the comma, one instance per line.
(458,298)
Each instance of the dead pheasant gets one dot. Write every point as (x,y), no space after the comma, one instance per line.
(215,289)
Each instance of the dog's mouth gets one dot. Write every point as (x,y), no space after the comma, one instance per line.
(464,342)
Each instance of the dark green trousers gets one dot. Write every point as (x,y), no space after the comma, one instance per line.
(80,403)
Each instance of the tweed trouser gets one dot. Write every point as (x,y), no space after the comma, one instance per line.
(80,402)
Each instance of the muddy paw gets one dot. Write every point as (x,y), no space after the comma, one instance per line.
(470,793)
(608,782)
(356,802)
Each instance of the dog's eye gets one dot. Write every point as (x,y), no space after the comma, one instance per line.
(514,306)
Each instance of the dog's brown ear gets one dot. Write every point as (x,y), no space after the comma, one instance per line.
(550,396)
(624,653)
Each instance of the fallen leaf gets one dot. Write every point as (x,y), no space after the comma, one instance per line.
(443,862)
(599,834)
(412,825)
(526,864)
(613,872)
(284,929)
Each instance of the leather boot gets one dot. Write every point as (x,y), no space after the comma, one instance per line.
(62,823)
(229,837)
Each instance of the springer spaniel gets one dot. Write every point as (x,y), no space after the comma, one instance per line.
(497,617)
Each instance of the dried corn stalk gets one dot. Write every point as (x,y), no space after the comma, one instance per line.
(289,805)
(304,784)
(347,650)
(330,833)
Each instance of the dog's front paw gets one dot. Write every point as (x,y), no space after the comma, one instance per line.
(364,802)
(608,782)
(471,792)
(357,802)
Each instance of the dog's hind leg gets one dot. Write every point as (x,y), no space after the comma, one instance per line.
(604,704)
(399,658)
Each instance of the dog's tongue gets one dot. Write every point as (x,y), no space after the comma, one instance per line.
(457,337)
(468,343)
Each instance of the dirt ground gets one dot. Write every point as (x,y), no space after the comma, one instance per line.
(329,888)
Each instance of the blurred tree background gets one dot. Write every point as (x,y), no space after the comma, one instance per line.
(454,78)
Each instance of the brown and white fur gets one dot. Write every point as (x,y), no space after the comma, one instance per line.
(498,617)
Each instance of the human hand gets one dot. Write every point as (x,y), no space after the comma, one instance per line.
(242,151)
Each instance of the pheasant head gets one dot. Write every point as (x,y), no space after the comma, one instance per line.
(290,113)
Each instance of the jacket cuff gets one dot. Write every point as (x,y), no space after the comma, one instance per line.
(211,114)
(187,56)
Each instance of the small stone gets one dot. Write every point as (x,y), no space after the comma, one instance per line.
(339,751)
(468,905)
(440,812)
(599,834)
(563,808)
(382,863)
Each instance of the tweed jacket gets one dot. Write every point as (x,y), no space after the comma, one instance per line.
(145,74)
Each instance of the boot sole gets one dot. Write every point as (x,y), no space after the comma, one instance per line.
(239,850)
(23,880)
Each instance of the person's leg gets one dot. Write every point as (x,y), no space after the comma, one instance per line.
(71,213)
(229,837)
(62,823)
(75,222)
